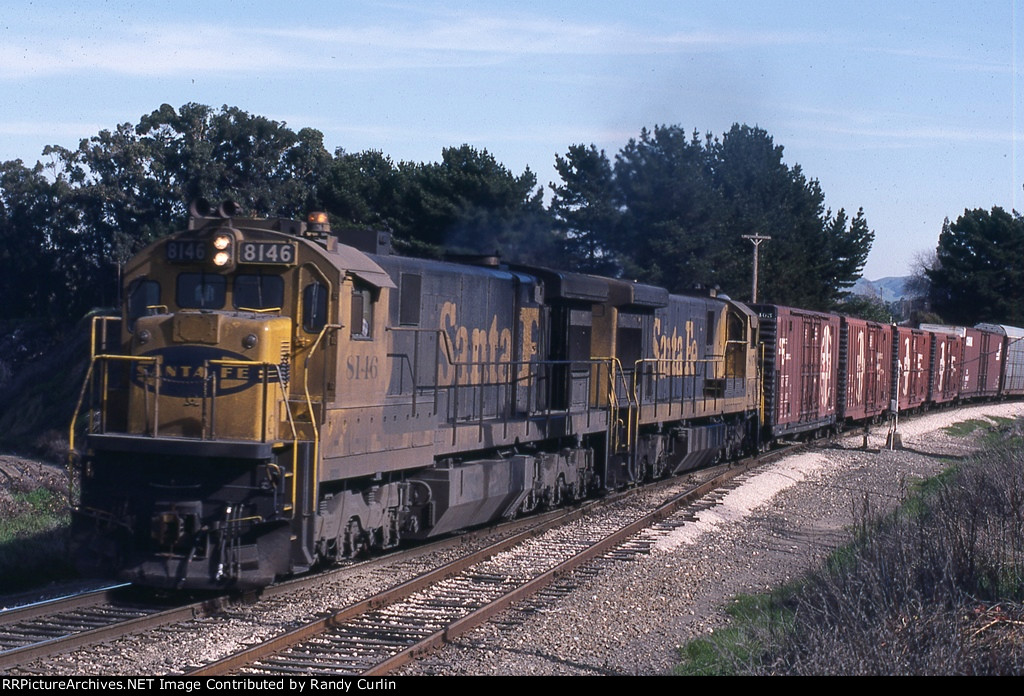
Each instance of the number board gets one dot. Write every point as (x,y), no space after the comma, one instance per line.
(186,251)
(266,252)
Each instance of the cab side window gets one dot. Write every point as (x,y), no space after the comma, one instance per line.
(362,312)
(314,307)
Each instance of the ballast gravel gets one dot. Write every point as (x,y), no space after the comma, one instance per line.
(631,617)
(625,615)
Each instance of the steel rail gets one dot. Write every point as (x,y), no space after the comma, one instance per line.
(324,624)
(68,602)
(46,648)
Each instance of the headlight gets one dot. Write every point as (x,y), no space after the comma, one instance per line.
(221,258)
(221,242)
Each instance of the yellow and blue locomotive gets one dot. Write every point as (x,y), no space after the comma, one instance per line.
(275,396)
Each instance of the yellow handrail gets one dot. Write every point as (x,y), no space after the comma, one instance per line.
(309,405)
(156,359)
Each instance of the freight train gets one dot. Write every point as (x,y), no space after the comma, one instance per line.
(276,396)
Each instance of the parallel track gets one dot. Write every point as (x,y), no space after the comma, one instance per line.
(47,628)
(383,632)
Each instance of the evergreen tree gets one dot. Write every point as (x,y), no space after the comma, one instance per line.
(470,203)
(979,270)
(584,210)
(675,207)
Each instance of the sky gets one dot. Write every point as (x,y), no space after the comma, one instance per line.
(913,110)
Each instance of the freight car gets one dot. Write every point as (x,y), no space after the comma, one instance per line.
(1010,347)
(274,397)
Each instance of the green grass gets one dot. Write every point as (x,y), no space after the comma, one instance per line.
(953,545)
(993,427)
(33,542)
(44,511)
(726,651)
(965,428)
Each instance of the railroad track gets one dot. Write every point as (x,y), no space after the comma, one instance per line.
(46,628)
(383,632)
(434,613)
(33,632)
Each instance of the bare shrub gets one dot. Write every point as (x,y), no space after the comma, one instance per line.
(937,588)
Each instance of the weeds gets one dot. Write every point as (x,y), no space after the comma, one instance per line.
(936,588)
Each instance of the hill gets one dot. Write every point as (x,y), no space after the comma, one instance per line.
(890,289)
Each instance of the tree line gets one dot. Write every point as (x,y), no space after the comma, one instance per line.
(977,273)
(669,208)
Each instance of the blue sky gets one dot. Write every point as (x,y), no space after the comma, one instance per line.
(912,110)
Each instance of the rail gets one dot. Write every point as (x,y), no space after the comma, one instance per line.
(104,394)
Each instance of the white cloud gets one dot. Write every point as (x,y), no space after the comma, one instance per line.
(458,41)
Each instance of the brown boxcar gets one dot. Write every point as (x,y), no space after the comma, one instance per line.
(947,354)
(800,369)
(913,370)
(982,363)
(865,368)
(1012,375)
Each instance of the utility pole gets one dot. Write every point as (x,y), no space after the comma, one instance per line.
(756,240)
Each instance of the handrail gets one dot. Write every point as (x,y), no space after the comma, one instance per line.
(231,362)
(155,359)
(260,310)
(309,405)
(616,373)
(103,319)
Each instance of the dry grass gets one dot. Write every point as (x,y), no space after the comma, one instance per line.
(937,588)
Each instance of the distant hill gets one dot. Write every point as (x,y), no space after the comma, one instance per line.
(889,289)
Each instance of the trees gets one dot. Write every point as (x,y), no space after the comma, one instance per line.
(670,209)
(269,169)
(674,208)
(466,203)
(69,226)
(34,243)
(979,269)
(584,211)
(470,203)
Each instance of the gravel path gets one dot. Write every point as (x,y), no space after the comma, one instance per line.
(631,617)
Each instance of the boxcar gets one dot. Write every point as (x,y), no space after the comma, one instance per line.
(913,348)
(865,368)
(982,364)
(947,354)
(801,357)
(1012,350)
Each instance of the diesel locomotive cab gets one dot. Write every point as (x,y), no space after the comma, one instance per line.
(197,422)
